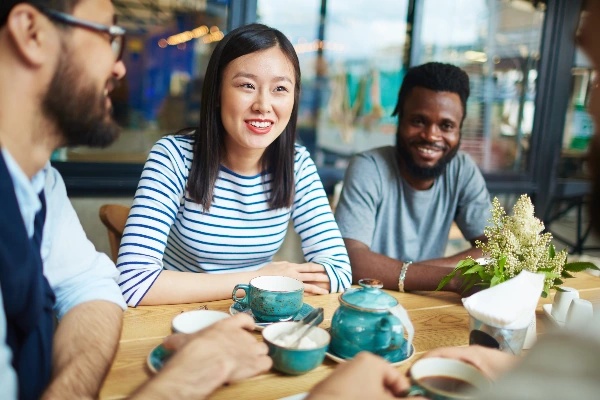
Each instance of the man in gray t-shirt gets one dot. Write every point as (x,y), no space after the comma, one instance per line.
(398,203)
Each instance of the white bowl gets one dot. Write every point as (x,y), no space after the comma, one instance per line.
(193,321)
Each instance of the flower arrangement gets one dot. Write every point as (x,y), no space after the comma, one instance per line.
(516,243)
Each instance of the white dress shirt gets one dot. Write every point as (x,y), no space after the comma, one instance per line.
(75,270)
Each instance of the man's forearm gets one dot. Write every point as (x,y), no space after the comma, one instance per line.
(425,275)
(85,344)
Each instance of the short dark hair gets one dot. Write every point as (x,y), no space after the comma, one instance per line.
(278,158)
(65,6)
(438,77)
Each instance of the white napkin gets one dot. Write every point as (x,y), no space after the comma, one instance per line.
(510,304)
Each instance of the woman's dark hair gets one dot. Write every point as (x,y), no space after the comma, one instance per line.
(209,146)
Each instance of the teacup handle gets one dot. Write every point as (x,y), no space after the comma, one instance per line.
(242,300)
(415,391)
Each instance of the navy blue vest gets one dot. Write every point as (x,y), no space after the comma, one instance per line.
(28,298)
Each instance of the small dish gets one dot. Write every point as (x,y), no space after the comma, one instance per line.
(294,361)
(337,359)
(237,308)
(193,321)
(157,357)
(548,311)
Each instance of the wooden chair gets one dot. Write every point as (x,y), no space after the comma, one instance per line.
(114,217)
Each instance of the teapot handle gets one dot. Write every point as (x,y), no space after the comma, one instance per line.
(400,313)
(390,330)
(385,332)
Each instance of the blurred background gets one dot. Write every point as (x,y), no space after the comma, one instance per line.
(526,124)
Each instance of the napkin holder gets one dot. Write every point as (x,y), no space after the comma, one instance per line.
(510,341)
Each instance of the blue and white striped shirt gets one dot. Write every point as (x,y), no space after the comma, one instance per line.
(168,230)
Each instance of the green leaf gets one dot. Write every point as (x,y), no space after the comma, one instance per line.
(565,274)
(551,251)
(469,286)
(466,263)
(559,289)
(474,270)
(446,279)
(580,266)
(549,269)
(551,275)
(485,276)
(546,290)
(501,263)
(558,282)
(495,280)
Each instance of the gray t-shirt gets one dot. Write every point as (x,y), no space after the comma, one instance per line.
(380,209)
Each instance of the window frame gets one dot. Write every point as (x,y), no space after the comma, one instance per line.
(89,179)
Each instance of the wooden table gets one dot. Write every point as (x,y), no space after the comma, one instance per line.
(439,319)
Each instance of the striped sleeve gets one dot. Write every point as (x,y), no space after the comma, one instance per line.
(313,220)
(152,214)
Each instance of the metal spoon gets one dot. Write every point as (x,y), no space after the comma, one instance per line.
(314,318)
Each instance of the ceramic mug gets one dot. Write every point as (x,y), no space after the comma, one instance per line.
(579,314)
(445,379)
(562,301)
(271,298)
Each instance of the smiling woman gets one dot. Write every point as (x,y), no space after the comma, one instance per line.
(212,207)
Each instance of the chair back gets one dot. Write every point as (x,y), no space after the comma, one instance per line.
(114,217)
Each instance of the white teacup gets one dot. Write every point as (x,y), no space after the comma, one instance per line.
(562,301)
(579,314)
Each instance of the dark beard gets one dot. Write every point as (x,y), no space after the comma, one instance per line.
(594,164)
(417,171)
(79,111)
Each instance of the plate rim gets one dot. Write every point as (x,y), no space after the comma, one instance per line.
(340,360)
(149,363)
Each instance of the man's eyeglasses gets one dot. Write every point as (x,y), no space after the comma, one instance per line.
(116,33)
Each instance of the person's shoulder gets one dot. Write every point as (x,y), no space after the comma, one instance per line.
(55,184)
(300,153)
(381,158)
(302,159)
(179,141)
(462,162)
(463,171)
(178,147)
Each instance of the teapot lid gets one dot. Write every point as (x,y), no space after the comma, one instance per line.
(368,296)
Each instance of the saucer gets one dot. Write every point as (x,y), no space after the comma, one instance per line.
(157,357)
(548,311)
(338,359)
(237,308)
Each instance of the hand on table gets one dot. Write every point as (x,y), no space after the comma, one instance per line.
(227,346)
(222,353)
(313,275)
(365,377)
(491,362)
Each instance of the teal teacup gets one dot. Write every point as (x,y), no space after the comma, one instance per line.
(296,361)
(272,298)
(445,379)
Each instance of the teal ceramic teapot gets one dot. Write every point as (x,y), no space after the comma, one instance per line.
(369,319)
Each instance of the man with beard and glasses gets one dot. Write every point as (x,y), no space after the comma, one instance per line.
(59,60)
(398,204)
